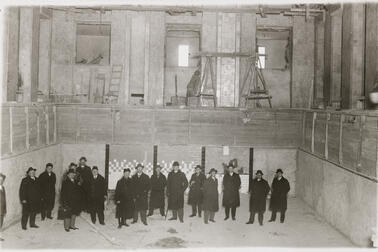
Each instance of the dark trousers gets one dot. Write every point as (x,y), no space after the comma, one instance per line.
(143,215)
(274,214)
(69,222)
(194,209)
(151,211)
(47,207)
(208,215)
(260,216)
(121,221)
(233,212)
(100,214)
(180,213)
(26,215)
(45,213)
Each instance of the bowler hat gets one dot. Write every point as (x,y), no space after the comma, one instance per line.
(83,158)
(2,175)
(279,170)
(259,172)
(139,165)
(126,170)
(230,165)
(94,168)
(71,171)
(49,164)
(73,164)
(30,169)
(198,166)
(176,163)
(213,170)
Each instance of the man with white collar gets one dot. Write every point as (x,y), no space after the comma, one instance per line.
(141,186)
(97,196)
(47,182)
(30,197)
(231,196)
(176,186)
(278,201)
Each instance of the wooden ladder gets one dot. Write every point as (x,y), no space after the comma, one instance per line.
(253,91)
(205,91)
(115,81)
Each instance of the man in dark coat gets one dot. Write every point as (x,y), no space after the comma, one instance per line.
(157,197)
(124,199)
(196,191)
(278,200)
(98,194)
(47,182)
(30,196)
(176,186)
(141,186)
(257,203)
(85,173)
(71,197)
(231,197)
(3,203)
(210,196)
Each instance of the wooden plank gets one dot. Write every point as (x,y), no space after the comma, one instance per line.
(326,137)
(313,132)
(11,129)
(341,139)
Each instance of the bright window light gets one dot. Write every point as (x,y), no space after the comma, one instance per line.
(183,55)
(261,62)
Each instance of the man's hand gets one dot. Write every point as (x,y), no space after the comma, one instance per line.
(118,202)
(23,202)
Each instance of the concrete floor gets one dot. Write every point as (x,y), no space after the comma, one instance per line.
(301,229)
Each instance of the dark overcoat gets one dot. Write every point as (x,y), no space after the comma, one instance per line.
(278,200)
(71,196)
(196,189)
(158,184)
(84,174)
(231,186)
(210,195)
(176,186)
(141,186)
(47,184)
(98,191)
(124,194)
(259,191)
(31,192)
(3,202)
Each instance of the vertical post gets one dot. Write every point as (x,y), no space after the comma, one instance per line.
(341,139)
(27,143)
(155,158)
(250,168)
(47,125)
(326,137)
(11,129)
(313,132)
(113,114)
(203,158)
(360,140)
(107,165)
(54,111)
(304,129)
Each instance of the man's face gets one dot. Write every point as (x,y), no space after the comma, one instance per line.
(82,162)
(139,169)
(49,169)
(126,174)
(230,169)
(71,175)
(279,174)
(213,173)
(176,168)
(198,170)
(157,170)
(32,173)
(1,180)
(259,176)
(95,172)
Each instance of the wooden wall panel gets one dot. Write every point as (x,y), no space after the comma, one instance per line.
(95,125)
(308,131)
(19,129)
(333,137)
(33,126)
(350,140)
(66,124)
(171,126)
(319,134)
(369,147)
(5,131)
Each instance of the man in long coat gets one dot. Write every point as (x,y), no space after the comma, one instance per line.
(3,203)
(141,186)
(231,197)
(210,197)
(30,197)
(85,174)
(157,196)
(71,197)
(47,181)
(124,199)
(176,186)
(196,191)
(98,194)
(278,200)
(257,203)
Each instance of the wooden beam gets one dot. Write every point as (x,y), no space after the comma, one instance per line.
(27,137)
(313,132)
(11,129)
(326,137)
(342,116)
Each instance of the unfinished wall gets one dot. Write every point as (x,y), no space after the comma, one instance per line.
(347,201)
(15,167)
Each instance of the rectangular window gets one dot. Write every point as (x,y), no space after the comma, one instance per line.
(183,55)
(261,58)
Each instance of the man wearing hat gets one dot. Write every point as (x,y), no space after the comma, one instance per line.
(3,202)
(30,197)
(85,173)
(278,200)
(257,203)
(141,186)
(196,191)
(71,200)
(157,198)
(97,195)
(231,197)
(176,186)
(210,197)
(47,182)
(123,198)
